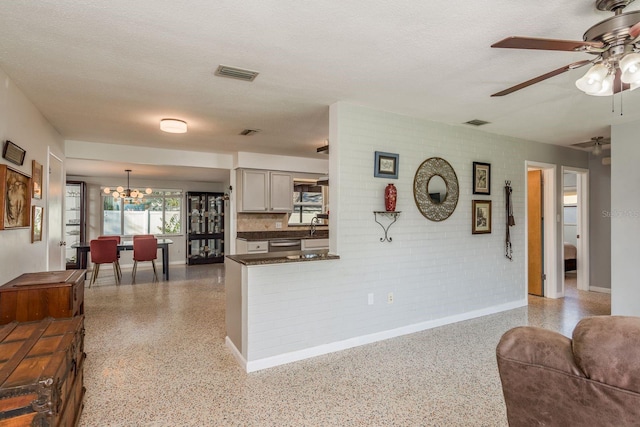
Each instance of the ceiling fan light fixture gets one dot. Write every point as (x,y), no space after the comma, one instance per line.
(597,149)
(173,126)
(607,87)
(630,68)
(592,83)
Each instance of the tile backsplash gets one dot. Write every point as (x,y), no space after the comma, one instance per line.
(261,222)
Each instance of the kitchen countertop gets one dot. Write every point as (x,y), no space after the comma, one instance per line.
(289,234)
(283,257)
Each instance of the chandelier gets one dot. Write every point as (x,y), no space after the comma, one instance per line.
(127,193)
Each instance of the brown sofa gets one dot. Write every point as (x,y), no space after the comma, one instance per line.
(590,380)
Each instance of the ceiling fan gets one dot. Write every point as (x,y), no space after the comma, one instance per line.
(595,145)
(615,42)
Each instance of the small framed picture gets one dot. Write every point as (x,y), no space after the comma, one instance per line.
(36,178)
(481,178)
(386,165)
(15,198)
(36,223)
(481,217)
(13,153)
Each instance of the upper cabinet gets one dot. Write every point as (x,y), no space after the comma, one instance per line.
(265,191)
(281,191)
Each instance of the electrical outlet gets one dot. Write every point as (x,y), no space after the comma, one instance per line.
(278,224)
(370,299)
(390,298)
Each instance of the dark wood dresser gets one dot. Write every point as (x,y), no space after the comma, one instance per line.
(41,372)
(34,296)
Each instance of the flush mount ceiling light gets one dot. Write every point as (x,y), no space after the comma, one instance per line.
(127,193)
(173,126)
(615,43)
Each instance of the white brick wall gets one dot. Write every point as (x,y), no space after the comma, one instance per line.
(436,270)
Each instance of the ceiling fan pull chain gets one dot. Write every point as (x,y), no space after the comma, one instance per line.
(613,104)
(621,111)
(621,96)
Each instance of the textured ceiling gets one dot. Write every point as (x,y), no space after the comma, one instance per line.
(109,71)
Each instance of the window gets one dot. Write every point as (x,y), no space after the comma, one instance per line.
(158,213)
(307,202)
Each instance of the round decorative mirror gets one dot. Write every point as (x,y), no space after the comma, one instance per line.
(435,189)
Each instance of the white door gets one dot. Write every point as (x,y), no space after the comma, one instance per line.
(55,188)
(582,256)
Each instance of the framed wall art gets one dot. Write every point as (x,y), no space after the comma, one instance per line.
(481,217)
(13,153)
(36,177)
(36,223)
(386,165)
(15,198)
(481,178)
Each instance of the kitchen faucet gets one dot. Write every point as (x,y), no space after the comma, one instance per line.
(314,222)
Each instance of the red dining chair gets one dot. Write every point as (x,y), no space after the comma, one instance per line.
(104,251)
(143,236)
(145,250)
(117,239)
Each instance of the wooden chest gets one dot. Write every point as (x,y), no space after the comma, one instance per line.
(41,366)
(34,296)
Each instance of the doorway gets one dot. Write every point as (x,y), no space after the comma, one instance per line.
(541,246)
(55,186)
(575,226)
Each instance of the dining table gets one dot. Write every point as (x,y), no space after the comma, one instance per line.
(83,248)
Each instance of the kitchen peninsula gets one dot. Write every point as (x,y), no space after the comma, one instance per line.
(267,322)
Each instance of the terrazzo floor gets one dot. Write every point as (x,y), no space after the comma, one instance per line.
(156,357)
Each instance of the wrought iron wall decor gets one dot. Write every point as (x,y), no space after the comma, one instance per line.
(433,208)
(508,248)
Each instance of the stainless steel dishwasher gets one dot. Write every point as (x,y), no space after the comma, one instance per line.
(283,245)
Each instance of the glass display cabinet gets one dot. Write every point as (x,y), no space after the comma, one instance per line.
(205,232)
(74,220)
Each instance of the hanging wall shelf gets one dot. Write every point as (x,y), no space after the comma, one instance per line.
(386,214)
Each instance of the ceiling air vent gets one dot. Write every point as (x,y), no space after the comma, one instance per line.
(236,73)
(476,122)
(248,132)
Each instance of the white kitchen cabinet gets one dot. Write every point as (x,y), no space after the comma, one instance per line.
(254,190)
(281,191)
(265,191)
(315,244)
(252,247)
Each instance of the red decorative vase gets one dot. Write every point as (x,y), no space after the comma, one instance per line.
(390,196)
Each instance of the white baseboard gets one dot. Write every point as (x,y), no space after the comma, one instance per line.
(294,356)
(599,289)
(236,353)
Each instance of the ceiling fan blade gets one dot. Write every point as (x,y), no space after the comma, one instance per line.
(516,42)
(634,32)
(618,86)
(605,143)
(542,77)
